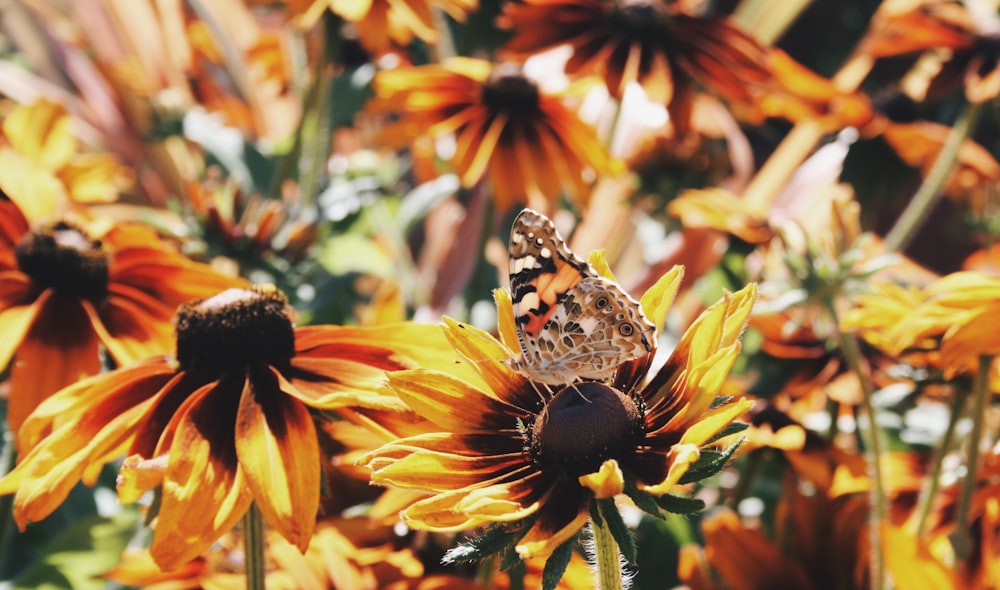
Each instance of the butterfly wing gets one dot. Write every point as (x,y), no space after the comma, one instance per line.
(571,322)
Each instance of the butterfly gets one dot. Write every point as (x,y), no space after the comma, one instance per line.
(571,322)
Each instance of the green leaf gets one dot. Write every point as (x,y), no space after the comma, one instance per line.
(81,554)
(709,463)
(619,530)
(556,565)
(680,504)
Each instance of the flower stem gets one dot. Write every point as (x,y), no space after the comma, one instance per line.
(961,540)
(930,190)
(8,458)
(609,569)
(872,437)
(253,547)
(929,492)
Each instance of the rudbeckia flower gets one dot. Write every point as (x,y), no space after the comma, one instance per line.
(66,294)
(41,160)
(384,24)
(528,142)
(535,458)
(652,42)
(224,423)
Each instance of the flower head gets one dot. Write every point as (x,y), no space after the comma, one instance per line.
(534,457)
(67,293)
(527,141)
(225,423)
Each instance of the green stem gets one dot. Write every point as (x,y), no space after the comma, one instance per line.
(962,540)
(8,458)
(928,493)
(930,190)
(609,568)
(872,437)
(749,475)
(253,548)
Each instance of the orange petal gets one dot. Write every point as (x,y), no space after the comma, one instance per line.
(451,403)
(14,324)
(205,491)
(278,450)
(60,348)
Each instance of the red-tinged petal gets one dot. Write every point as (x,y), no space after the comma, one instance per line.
(451,403)
(16,288)
(402,345)
(133,325)
(327,384)
(53,467)
(205,491)
(157,422)
(562,517)
(78,399)
(680,457)
(278,450)
(14,325)
(60,348)
(441,472)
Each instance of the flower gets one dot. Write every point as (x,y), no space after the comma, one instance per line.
(651,42)
(528,141)
(65,294)
(819,542)
(224,423)
(383,24)
(534,459)
(954,316)
(40,161)
(343,553)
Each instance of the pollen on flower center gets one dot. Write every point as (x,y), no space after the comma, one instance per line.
(235,328)
(508,89)
(584,425)
(62,257)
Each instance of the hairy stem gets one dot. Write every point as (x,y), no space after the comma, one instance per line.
(609,569)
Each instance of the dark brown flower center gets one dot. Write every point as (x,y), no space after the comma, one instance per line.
(643,20)
(508,89)
(62,257)
(584,425)
(235,328)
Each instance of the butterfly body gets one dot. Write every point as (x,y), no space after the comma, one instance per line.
(571,322)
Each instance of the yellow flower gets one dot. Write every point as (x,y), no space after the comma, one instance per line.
(67,294)
(515,452)
(226,423)
(40,161)
(528,142)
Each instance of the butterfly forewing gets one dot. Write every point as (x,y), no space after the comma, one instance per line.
(571,322)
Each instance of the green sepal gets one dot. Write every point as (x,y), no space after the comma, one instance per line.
(644,501)
(556,565)
(680,504)
(495,539)
(709,463)
(730,429)
(619,530)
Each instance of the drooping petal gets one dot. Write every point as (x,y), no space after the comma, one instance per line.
(14,324)
(104,414)
(278,451)
(132,324)
(606,482)
(60,348)
(561,517)
(205,491)
(439,472)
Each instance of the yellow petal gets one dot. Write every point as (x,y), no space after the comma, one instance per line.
(681,457)
(539,543)
(606,482)
(656,301)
